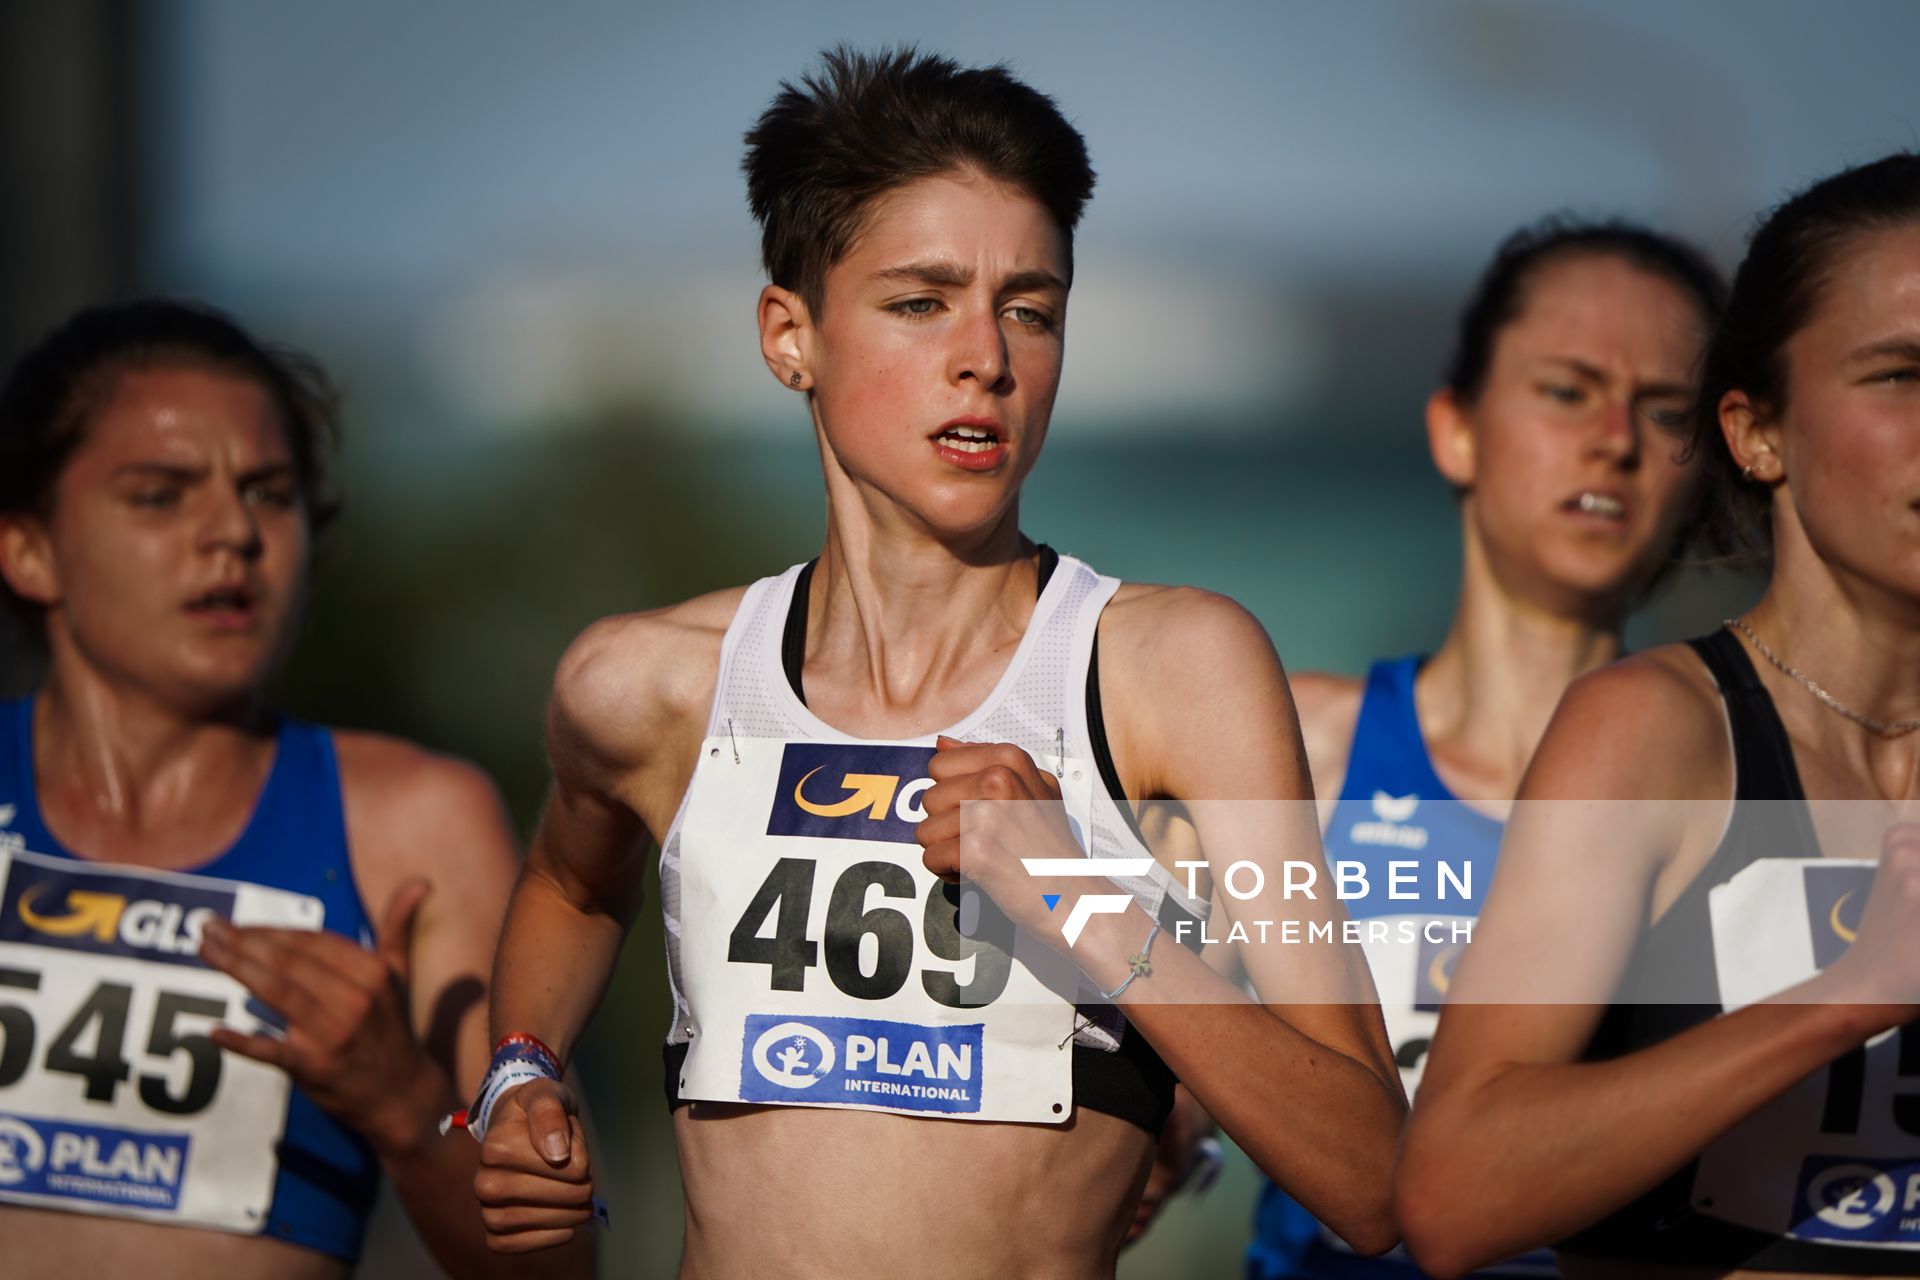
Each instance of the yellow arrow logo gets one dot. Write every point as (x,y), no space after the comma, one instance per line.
(1438,974)
(871,791)
(1839,926)
(98,912)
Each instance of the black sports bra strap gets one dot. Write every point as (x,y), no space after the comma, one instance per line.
(793,639)
(1763,766)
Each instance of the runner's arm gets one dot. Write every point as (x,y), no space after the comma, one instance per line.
(576,897)
(416,817)
(1516,1143)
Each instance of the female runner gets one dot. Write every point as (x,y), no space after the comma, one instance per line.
(1578,339)
(162,475)
(801,747)
(1739,1108)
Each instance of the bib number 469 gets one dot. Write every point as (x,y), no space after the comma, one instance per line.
(785,899)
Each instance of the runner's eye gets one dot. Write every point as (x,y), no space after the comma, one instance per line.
(915,307)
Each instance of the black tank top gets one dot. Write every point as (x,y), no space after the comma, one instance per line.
(1663,1225)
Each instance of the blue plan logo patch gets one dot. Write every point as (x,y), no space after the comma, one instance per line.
(1857,1200)
(91,1162)
(1835,896)
(850,791)
(853,1060)
(88,910)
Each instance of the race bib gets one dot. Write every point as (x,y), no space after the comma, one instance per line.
(113,1098)
(1836,1158)
(826,967)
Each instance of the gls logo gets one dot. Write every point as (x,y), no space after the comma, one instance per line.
(850,791)
(88,910)
(1093,904)
(1835,897)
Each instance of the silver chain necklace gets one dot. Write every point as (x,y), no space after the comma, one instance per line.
(1885,728)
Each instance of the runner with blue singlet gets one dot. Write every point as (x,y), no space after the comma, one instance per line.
(1575,336)
(242,957)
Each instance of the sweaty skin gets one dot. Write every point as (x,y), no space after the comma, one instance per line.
(948,306)
(150,750)
(1845,485)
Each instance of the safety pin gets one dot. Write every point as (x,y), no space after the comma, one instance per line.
(735,741)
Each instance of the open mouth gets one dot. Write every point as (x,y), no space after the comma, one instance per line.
(1591,502)
(228,605)
(969,439)
(972,446)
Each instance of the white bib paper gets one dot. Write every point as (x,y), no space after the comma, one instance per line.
(113,1100)
(827,967)
(1836,1158)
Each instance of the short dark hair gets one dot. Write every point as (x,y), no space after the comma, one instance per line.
(1499,295)
(864,124)
(55,389)
(1790,258)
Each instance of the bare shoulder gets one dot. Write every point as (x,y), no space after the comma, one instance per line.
(1329,707)
(1197,702)
(1182,634)
(1650,726)
(630,679)
(415,812)
(392,780)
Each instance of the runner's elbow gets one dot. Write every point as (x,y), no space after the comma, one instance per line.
(1432,1220)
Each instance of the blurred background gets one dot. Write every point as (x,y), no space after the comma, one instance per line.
(517,235)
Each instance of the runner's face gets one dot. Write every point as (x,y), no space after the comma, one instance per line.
(1577,490)
(937,354)
(1850,434)
(178,539)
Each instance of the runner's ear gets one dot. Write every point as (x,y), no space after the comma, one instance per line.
(1450,439)
(26,561)
(784,325)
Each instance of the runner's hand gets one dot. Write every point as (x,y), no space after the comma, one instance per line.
(1882,965)
(348,1039)
(534,1184)
(998,835)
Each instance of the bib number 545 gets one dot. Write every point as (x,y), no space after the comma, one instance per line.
(104,1066)
(785,898)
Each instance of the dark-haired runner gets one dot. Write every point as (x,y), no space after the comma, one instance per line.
(836,1041)
(1666,1135)
(161,478)
(1578,340)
